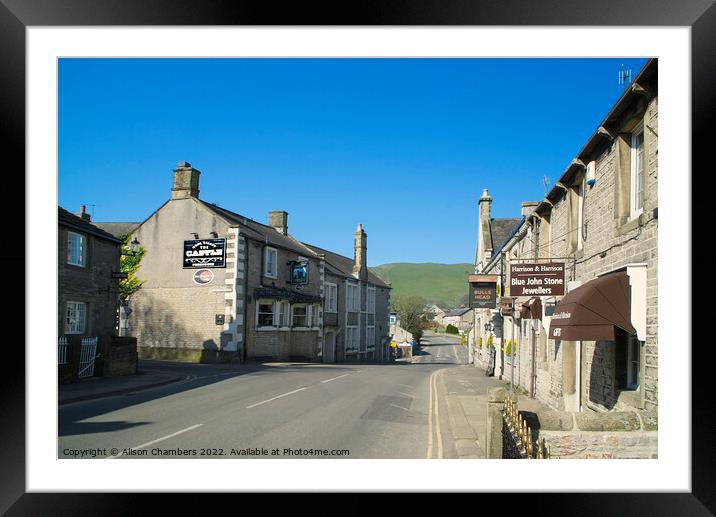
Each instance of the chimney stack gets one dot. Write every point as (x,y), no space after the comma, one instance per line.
(360,264)
(186,181)
(484,229)
(278,220)
(83,214)
(527,207)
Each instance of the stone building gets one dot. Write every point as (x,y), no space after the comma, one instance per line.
(594,351)
(87,294)
(219,286)
(461,318)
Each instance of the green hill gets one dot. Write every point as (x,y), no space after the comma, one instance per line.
(443,284)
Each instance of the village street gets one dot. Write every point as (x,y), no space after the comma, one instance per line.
(342,410)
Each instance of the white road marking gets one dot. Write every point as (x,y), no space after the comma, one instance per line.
(401,407)
(158,440)
(334,378)
(406,394)
(405,385)
(276,397)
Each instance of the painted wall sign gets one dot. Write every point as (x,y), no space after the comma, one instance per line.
(299,272)
(203,276)
(537,279)
(204,253)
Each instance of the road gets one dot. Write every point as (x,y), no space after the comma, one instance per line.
(275,410)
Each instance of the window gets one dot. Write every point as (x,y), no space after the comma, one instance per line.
(76,318)
(76,249)
(301,316)
(331,297)
(576,216)
(270,263)
(370,337)
(283,314)
(370,302)
(351,339)
(352,303)
(636,205)
(633,353)
(265,314)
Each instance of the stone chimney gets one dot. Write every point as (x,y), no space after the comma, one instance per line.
(360,245)
(527,207)
(484,229)
(186,181)
(83,214)
(278,220)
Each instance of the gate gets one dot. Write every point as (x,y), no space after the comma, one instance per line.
(88,353)
(62,350)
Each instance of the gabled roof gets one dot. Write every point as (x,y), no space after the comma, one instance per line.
(117,229)
(502,230)
(262,232)
(70,220)
(457,312)
(343,266)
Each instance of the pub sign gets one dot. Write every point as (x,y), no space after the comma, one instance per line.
(537,279)
(483,291)
(204,253)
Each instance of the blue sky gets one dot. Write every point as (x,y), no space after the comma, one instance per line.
(403,146)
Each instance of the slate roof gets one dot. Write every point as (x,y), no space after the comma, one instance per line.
(117,229)
(343,266)
(457,312)
(260,231)
(502,230)
(70,220)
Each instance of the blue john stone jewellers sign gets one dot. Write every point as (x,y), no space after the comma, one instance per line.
(204,253)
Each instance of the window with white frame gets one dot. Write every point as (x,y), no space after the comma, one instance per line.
(352,303)
(370,337)
(76,318)
(370,301)
(351,339)
(301,316)
(636,205)
(265,313)
(283,314)
(76,249)
(271,260)
(331,297)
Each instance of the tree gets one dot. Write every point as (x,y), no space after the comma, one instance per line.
(411,313)
(129,263)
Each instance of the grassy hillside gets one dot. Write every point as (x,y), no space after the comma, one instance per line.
(444,284)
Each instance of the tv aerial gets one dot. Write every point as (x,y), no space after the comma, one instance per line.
(624,75)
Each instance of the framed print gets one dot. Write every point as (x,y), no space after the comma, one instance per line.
(37,36)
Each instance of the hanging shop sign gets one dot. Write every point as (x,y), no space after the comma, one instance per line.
(483,291)
(204,253)
(203,276)
(299,272)
(507,306)
(527,279)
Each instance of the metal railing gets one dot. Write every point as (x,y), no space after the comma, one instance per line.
(62,346)
(517,439)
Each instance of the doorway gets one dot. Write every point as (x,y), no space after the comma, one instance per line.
(329,348)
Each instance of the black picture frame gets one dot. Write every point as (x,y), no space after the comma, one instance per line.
(17,15)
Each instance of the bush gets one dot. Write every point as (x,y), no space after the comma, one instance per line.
(451,329)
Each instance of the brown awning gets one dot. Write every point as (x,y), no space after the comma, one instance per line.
(531,309)
(593,310)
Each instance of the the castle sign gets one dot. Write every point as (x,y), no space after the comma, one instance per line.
(537,279)
(204,253)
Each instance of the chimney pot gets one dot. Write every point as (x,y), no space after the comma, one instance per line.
(83,214)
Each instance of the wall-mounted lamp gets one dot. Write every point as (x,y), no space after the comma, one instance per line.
(214,234)
(194,234)
(488,326)
(133,247)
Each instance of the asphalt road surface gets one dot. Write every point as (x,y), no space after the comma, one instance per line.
(274,410)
